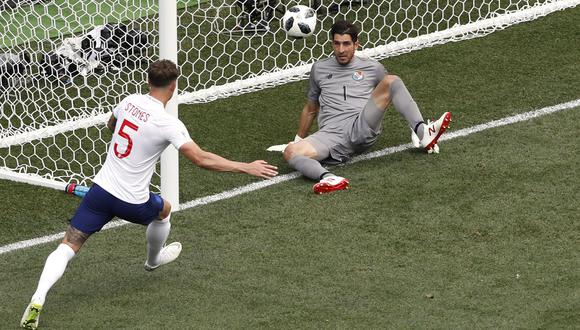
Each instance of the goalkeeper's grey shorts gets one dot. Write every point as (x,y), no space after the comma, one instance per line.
(338,144)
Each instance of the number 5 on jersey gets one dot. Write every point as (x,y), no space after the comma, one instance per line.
(126,125)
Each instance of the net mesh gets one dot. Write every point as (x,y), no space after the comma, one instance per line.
(58,85)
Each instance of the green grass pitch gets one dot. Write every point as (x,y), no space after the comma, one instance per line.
(483,235)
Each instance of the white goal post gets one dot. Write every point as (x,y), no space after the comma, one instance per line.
(168,50)
(65,63)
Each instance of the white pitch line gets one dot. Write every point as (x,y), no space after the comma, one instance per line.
(287,177)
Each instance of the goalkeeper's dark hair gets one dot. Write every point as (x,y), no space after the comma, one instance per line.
(161,73)
(344,27)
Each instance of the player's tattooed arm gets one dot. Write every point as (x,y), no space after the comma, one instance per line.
(112,122)
(75,238)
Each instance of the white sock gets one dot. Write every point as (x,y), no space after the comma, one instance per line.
(54,267)
(156,234)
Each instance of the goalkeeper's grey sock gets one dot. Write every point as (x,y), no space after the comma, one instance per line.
(309,167)
(157,233)
(54,267)
(406,106)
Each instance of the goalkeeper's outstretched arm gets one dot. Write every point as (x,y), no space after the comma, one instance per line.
(211,161)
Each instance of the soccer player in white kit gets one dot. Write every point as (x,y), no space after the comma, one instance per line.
(350,95)
(142,129)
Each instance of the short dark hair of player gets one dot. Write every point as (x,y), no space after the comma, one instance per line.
(161,73)
(344,27)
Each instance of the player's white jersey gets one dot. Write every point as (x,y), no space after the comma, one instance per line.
(143,130)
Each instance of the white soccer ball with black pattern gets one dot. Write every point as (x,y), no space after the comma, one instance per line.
(299,21)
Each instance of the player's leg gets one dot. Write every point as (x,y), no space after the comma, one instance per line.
(392,90)
(58,260)
(89,218)
(305,157)
(54,268)
(157,233)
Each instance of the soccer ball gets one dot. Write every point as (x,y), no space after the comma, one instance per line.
(299,21)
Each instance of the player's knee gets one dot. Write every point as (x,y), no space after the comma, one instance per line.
(390,80)
(166,211)
(75,238)
(289,152)
(385,87)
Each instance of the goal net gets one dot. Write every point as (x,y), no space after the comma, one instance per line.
(64,64)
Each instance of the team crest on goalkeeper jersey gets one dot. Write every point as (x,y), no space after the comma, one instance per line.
(358,76)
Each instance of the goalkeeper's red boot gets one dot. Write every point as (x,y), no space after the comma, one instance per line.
(330,184)
(433,130)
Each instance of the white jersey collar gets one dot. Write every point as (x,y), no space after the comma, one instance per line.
(155,100)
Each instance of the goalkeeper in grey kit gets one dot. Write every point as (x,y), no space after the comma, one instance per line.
(350,95)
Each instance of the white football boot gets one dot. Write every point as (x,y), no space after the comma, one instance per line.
(431,133)
(166,255)
(417,143)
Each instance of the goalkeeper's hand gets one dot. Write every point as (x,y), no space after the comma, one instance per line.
(282,147)
(417,144)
